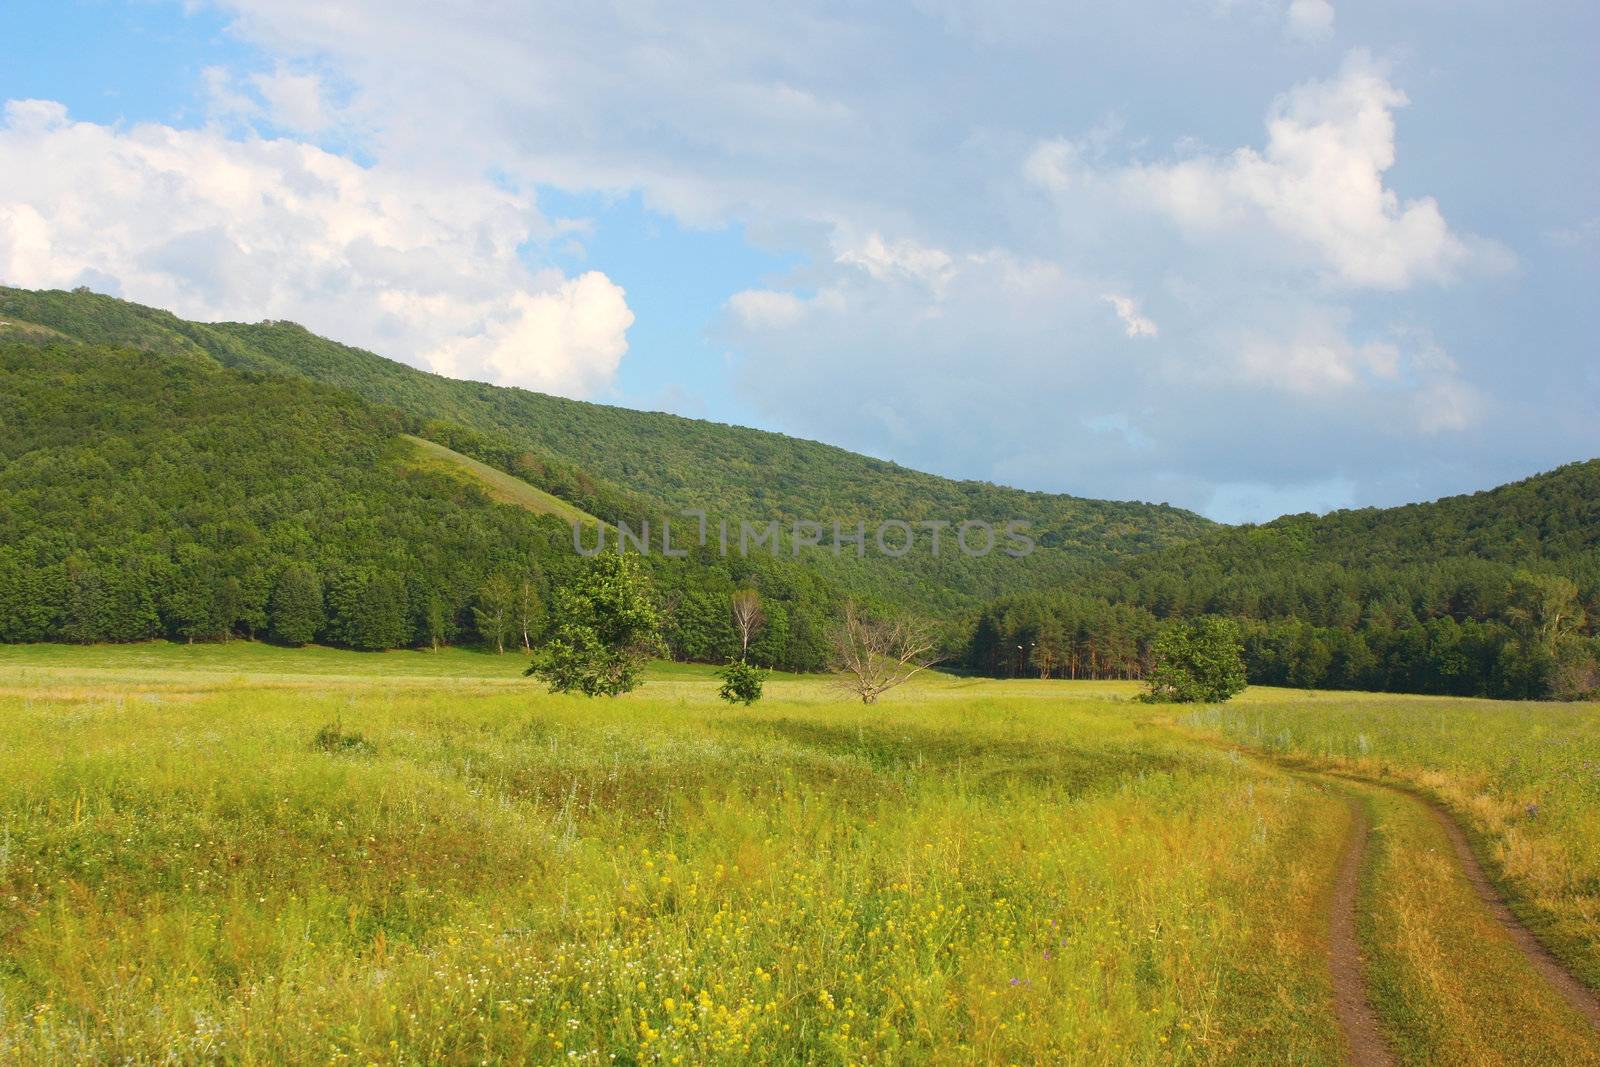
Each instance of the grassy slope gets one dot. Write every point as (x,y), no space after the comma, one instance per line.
(498,485)
(514,876)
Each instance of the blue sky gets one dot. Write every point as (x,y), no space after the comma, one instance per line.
(1248,256)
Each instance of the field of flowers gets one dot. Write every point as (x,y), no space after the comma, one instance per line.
(268,856)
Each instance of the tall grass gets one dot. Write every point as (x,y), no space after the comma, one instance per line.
(977,871)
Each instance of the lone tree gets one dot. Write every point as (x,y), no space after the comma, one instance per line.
(741,683)
(1199,660)
(873,656)
(606,627)
(748,618)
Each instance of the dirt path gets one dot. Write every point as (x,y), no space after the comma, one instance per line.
(1363,1039)
(1580,996)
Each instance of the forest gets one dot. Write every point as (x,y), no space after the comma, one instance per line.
(1491,594)
(197,482)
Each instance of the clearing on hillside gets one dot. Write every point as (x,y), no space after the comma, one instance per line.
(497,484)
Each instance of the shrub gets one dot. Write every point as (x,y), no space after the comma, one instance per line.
(336,739)
(741,683)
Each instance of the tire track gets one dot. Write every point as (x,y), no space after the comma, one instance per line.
(1364,1041)
(1583,999)
(1354,1010)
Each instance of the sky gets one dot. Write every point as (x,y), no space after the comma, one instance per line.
(1249,257)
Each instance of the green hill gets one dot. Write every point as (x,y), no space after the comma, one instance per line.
(168,478)
(625,465)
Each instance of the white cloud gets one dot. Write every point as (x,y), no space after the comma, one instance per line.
(1321,363)
(1309,20)
(566,339)
(421,269)
(1316,361)
(939,309)
(1133,322)
(766,308)
(295,101)
(1318,185)
(901,260)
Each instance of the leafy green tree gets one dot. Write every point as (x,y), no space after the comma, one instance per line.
(296,612)
(370,611)
(1198,660)
(493,613)
(1545,608)
(769,646)
(435,621)
(742,682)
(606,627)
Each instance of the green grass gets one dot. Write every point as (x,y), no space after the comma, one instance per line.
(497,484)
(263,855)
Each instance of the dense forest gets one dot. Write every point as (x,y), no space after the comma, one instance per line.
(161,478)
(1494,594)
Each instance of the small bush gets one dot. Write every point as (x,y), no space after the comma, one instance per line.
(336,739)
(741,683)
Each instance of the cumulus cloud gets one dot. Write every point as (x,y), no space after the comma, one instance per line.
(1321,362)
(1318,184)
(1316,360)
(215,227)
(1134,323)
(296,101)
(766,308)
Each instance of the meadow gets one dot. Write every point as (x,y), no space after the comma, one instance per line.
(248,854)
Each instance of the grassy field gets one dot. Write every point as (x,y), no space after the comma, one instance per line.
(261,855)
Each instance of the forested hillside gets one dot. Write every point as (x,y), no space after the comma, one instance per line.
(623,464)
(146,495)
(1495,593)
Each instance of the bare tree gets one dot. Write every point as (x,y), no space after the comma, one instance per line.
(873,656)
(748,618)
(528,606)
